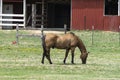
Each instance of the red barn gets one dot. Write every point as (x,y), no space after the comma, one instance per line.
(102,14)
(77,14)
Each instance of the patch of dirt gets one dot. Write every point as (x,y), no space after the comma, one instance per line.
(39,32)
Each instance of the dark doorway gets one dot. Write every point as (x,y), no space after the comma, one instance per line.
(51,13)
(111,7)
(58,15)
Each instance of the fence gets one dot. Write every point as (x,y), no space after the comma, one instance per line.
(11,20)
(42,29)
(93,36)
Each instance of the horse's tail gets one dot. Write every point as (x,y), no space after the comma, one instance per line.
(43,42)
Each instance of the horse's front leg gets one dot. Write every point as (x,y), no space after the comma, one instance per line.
(72,54)
(66,54)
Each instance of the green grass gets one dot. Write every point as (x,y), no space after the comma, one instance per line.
(23,61)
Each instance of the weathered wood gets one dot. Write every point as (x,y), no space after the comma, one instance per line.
(65,28)
(33,15)
(12,15)
(17,33)
(29,35)
(11,20)
(1,5)
(119,35)
(9,24)
(92,35)
(24,12)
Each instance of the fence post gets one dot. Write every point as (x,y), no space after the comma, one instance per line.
(92,35)
(119,35)
(42,30)
(17,34)
(65,27)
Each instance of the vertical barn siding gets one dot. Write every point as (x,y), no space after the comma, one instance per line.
(86,13)
(90,14)
(99,15)
(111,23)
(78,14)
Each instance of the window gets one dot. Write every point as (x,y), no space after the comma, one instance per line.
(111,7)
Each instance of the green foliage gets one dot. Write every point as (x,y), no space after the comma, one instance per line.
(23,61)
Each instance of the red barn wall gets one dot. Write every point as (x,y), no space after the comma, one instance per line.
(86,13)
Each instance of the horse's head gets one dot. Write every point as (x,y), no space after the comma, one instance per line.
(83,57)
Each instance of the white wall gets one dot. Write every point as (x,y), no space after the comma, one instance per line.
(118,7)
(0,12)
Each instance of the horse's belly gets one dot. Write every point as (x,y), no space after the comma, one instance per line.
(59,47)
(62,46)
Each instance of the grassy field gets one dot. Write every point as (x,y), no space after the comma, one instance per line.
(23,61)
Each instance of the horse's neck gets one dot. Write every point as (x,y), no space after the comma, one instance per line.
(81,46)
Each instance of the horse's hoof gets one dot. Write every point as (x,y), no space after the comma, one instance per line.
(83,63)
(42,62)
(64,62)
(51,63)
(72,62)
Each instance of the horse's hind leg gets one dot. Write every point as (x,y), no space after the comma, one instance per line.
(48,56)
(44,53)
(66,54)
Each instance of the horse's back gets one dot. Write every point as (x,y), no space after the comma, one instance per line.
(61,41)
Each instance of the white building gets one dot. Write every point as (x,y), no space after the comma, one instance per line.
(34,13)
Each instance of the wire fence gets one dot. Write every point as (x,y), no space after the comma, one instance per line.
(91,38)
(100,38)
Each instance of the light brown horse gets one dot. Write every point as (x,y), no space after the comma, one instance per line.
(67,41)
